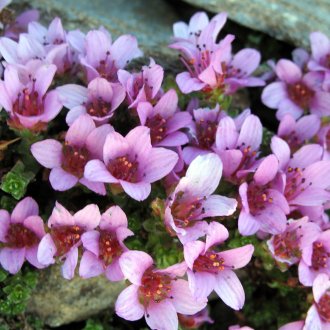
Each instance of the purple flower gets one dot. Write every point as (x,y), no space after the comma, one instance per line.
(83,142)
(210,270)
(164,120)
(287,247)
(320,60)
(156,294)
(305,178)
(131,163)
(195,321)
(143,86)
(192,199)
(104,247)
(294,92)
(315,259)
(297,325)
(65,234)
(296,132)
(20,234)
(28,103)
(99,100)
(264,207)
(104,58)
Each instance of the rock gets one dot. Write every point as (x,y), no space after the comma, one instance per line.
(288,20)
(58,301)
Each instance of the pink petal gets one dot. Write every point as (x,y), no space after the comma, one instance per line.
(217,233)
(286,106)
(62,180)
(133,264)
(162,316)
(190,153)
(216,205)
(115,146)
(90,241)
(100,87)
(46,251)
(191,251)
(312,196)
(273,94)
(44,77)
(281,150)
(4,225)
(52,107)
(308,126)
(306,156)
(267,170)
(48,153)
(25,208)
(60,217)
(90,265)
(298,325)
(36,224)
(227,135)
(201,284)
(319,174)
(138,191)
(178,120)
(139,141)
(237,258)
(128,306)
(320,45)
(229,289)
(31,255)
(95,170)
(74,114)
(187,84)
(70,264)
(113,271)
(72,95)
(12,259)
(97,187)
(320,286)
(231,159)
(306,274)
(246,60)
(88,218)
(112,218)
(167,104)
(144,111)
(174,139)
(272,220)
(313,320)
(288,71)
(251,133)
(247,224)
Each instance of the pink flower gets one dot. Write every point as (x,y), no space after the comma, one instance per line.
(264,207)
(156,294)
(83,142)
(28,103)
(104,247)
(99,100)
(65,234)
(20,234)
(297,132)
(131,162)
(195,321)
(315,259)
(297,325)
(294,92)
(143,86)
(320,60)
(192,199)
(237,327)
(287,247)
(209,270)
(164,120)
(104,58)
(324,140)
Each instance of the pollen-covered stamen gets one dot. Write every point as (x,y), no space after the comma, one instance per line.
(123,168)
(323,307)
(205,131)
(98,107)
(74,159)
(109,247)
(320,256)
(65,237)
(248,157)
(107,68)
(157,125)
(295,182)
(300,94)
(18,236)
(258,198)
(286,245)
(155,287)
(185,210)
(210,262)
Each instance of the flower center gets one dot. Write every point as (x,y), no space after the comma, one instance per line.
(210,262)
(98,107)
(184,211)
(65,237)
(28,104)
(74,159)
(18,236)
(320,256)
(154,287)
(206,131)
(258,198)
(109,247)
(107,68)
(123,168)
(326,61)
(294,182)
(286,245)
(300,94)
(157,125)
(323,307)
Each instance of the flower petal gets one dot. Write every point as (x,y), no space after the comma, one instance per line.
(25,208)
(48,153)
(90,265)
(62,180)
(70,264)
(162,316)
(12,259)
(88,218)
(237,258)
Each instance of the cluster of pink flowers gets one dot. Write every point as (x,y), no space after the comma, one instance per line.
(282,197)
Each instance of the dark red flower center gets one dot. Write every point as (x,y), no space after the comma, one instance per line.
(157,125)
(300,94)
(98,107)
(74,159)
(107,68)
(122,168)
(210,262)
(286,245)
(258,198)
(184,211)
(326,61)
(109,247)
(320,256)
(154,287)
(295,182)
(28,103)
(18,236)
(65,237)
(323,307)
(206,131)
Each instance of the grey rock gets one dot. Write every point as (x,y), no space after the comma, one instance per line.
(57,301)
(288,20)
